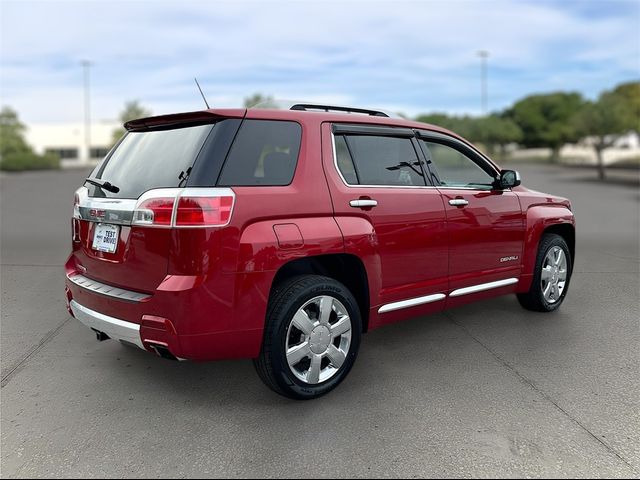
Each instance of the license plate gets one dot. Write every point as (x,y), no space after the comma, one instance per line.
(105,238)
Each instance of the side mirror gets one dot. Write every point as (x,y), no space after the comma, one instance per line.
(508,179)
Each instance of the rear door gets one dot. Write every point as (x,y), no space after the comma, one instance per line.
(106,247)
(375,174)
(485,225)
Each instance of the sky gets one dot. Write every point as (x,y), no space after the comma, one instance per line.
(410,57)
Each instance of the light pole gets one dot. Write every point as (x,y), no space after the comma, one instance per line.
(86,64)
(484,55)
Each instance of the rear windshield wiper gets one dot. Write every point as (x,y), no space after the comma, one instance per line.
(184,176)
(102,184)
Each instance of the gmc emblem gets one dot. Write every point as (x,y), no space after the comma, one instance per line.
(97,213)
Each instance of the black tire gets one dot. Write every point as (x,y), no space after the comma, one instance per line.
(534,299)
(287,298)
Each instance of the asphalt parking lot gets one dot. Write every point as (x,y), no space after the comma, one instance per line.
(480,391)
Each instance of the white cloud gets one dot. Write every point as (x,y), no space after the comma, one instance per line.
(409,56)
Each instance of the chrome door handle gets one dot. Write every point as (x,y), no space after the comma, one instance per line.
(363,203)
(458,202)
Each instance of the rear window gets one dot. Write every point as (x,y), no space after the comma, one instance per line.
(146,160)
(377,160)
(264,153)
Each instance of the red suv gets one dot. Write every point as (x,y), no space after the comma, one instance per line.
(282,235)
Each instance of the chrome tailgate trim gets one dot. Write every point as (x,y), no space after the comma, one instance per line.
(108,290)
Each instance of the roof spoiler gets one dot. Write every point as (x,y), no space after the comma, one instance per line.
(167,122)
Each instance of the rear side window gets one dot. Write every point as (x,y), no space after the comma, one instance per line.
(379,160)
(264,153)
(146,160)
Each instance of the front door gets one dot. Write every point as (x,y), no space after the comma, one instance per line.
(485,225)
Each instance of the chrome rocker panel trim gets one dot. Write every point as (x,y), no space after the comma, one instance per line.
(412,302)
(482,287)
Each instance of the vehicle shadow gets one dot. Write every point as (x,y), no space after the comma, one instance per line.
(437,342)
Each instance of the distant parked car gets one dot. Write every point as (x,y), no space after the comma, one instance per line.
(282,235)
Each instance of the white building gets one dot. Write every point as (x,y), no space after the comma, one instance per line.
(625,148)
(68,141)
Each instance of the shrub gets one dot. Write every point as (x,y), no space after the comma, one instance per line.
(17,162)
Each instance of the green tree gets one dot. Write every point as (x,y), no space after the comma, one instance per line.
(462,125)
(11,133)
(15,153)
(440,119)
(496,131)
(256,98)
(546,120)
(491,131)
(630,92)
(132,110)
(614,114)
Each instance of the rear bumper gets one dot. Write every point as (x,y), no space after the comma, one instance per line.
(189,317)
(114,327)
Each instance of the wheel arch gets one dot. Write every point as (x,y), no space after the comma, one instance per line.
(541,219)
(345,268)
(567,232)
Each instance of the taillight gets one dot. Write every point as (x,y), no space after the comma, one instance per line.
(188,207)
(154,211)
(79,195)
(204,211)
(75,230)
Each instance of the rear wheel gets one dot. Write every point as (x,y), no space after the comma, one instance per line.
(311,338)
(551,276)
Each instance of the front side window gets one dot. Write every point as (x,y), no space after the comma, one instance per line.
(379,160)
(454,168)
(264,153)
(345,163)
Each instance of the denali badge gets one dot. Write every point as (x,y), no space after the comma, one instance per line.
(508,259)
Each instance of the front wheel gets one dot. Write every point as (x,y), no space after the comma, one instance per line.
(311,339)
(551,276)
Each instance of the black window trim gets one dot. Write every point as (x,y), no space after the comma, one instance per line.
(342,129)
(210,157)
(377,130)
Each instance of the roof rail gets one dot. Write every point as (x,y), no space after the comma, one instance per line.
(335,108)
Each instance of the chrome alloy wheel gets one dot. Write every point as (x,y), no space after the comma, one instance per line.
(554,274)
(318,339)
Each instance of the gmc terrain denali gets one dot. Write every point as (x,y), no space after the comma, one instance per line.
(282,235)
